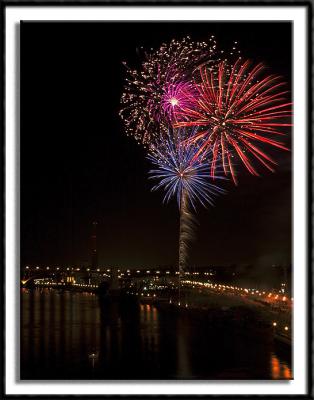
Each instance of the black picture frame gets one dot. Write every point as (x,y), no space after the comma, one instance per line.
(130,3)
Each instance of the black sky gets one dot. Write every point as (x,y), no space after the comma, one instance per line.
(77,165)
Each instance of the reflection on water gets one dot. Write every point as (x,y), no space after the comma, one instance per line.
(279,369)
(68,335)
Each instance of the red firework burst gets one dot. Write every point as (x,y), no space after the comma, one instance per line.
(234,111)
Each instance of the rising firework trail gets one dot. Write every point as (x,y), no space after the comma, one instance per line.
(238,114)
(184,177)
(186,234)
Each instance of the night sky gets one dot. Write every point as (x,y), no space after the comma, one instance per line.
(77,164)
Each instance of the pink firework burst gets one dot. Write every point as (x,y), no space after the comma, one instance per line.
(141,111)
(177,97)
(237,113)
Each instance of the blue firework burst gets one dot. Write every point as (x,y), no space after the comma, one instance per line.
(180,172)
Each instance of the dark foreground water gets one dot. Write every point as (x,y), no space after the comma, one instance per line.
(68,335)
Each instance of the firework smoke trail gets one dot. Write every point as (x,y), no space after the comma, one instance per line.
(166,69)
(186,234)
(184,177)
(237,113)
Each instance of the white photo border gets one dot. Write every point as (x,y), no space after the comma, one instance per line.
(298,15)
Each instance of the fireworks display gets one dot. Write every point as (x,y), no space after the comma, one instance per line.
(235,110)
(196,114)
(164,71)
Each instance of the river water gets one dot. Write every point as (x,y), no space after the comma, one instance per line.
(71,335)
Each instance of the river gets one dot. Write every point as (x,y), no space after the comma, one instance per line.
(72,335)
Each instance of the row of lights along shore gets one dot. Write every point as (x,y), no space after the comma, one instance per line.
(253,292)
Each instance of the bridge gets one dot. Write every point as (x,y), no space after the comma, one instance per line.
(80,278)
(199,290)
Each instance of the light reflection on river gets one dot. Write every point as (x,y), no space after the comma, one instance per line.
(68,335)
